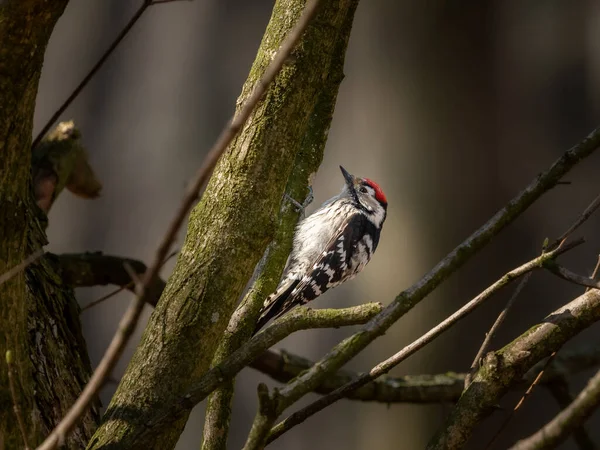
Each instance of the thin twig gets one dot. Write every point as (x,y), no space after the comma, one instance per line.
(227,135)
(572,417)
(300,318)
(102,372)
(566,274)
(107,296)
(391,362)
(284,366)
(535,382)
(490,334)
(151,298)
(145,4)
(585,215)
(569,276)
(502,316)
(13,394)
(407,299)
(595,272)
(527,393)
(21,266)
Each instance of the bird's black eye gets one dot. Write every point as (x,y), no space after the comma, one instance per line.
(363,189)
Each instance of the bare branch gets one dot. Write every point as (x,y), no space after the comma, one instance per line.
(13,394)
(559,389)
(406,300)
(265,417)
(521,401)
(271,62)
(566,274)
(585,215)
(499,320)
(145,4)
(545,366)
(283,366)
(300,318)
(500,370)
(21,266)
(502,316)
(242,323)
(120,339)
(595,272)
(60,161)
(393,361)
(95,269)
(572,417)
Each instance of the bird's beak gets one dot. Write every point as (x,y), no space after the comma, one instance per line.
(350,179)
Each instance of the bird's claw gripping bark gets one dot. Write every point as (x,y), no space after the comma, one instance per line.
(301,207)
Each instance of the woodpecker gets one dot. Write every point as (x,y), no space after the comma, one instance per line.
(331,246)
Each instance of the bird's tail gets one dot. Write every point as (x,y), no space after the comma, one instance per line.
(278,303)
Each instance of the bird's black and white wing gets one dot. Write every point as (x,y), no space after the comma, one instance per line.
(346,253)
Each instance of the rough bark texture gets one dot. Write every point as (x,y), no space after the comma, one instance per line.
(218,413)
(38,318)
(227,234)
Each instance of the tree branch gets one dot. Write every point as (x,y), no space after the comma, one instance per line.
(230,228)
(39,315)
(300,318)
(567,421)
(503,368)
(404,302)
(96,269)
(573,277)
(500,319)
(60,161)
(145,4)
(242,323)
(21,266)
(265,417)
(410,349)
(283,366)
(497,324)
(585,215)
(559,389)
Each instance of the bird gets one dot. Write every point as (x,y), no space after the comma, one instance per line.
(330,246)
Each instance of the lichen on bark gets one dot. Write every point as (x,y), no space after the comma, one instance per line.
(228,232)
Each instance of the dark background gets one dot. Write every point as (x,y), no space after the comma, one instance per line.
(453,107)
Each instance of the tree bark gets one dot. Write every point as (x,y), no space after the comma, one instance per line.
(39,320)
(228,233)
(242,324)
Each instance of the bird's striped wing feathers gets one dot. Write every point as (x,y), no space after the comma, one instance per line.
(334,265)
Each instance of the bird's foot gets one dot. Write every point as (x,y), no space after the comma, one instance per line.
(301,207)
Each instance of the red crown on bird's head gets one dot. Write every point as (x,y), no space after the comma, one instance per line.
(379,195)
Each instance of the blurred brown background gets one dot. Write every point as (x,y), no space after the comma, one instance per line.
(453,107)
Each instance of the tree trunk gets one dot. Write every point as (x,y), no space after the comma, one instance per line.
(39,320)
(228,232)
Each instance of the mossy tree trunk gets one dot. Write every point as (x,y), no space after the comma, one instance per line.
(39,316)
(228,231)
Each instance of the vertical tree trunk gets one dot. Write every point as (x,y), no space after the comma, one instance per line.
(227,233)
(39,319)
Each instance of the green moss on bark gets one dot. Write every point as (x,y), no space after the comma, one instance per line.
(310,155)
(228,232)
